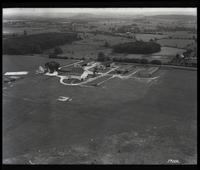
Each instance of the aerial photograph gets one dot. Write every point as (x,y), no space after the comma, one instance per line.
(99,86)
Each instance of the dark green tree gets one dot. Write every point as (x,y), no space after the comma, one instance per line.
(157,62)
(25,32)
(101,56)
(52,55)
(106,44)
(58,50)
(144,61)
(52,66)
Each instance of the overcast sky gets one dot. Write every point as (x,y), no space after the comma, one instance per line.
(136,11)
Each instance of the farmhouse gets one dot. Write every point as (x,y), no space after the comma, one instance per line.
(82,64)
(76,71)
(90,63)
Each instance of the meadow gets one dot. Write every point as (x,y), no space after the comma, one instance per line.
(179,43)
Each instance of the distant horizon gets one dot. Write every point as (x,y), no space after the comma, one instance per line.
(97,11)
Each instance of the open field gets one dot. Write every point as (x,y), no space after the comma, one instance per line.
(14,62)
(181,34)
(165,55)
(121,121)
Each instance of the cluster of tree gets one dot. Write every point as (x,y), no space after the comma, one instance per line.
(182,38)
(138,47)
(112,29)
(191,51)
(25,33)
(57,50)
(176,28)
(128,28)
(137,60)
(52,66)
(124,29)
(179,60)
(106,44)
(35,44)
(153,39)
(102,57)
(149,31)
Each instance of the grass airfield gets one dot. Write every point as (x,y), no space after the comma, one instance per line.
(122,121)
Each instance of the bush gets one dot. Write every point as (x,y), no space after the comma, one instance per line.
(58,50)
(106,44)
(52,55)
(135,60)
(101,56)
(127,60)
(144,61)
(138,47)
(157,62)
(115,59)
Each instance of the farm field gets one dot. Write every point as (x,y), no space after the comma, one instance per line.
(121,121)
(165,55)
(30,30)
(148,37)
(179,43)
(169,51)
(91,46)
(181,34)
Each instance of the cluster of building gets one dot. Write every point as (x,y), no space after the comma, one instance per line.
(85,69)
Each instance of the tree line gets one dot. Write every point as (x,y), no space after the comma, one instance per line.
(102,57)
(137,47)
(35,44)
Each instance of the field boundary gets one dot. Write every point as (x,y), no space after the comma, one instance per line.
(161,66)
